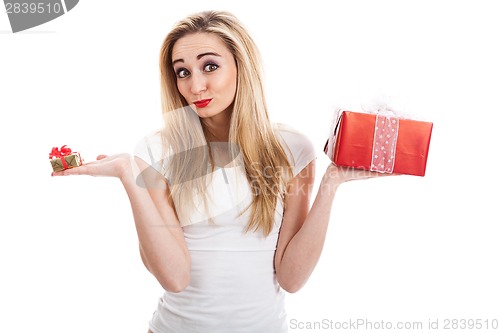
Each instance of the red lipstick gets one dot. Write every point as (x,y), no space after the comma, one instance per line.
(202,103)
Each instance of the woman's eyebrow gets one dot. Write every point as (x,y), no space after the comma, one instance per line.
(206,54)
(199,56)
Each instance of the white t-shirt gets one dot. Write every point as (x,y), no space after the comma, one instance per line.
(233,286)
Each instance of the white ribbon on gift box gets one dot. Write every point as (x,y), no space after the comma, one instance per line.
(332,138)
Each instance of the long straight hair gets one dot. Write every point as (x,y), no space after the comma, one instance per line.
(251,135)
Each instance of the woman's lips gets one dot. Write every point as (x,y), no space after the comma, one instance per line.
(202,103)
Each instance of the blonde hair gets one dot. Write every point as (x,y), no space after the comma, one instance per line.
(250,133)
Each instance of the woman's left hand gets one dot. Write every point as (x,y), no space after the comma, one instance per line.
(341,175)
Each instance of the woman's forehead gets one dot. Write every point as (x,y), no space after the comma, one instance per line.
(195,44)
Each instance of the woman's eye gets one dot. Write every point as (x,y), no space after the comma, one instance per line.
(210,67)
(182,73)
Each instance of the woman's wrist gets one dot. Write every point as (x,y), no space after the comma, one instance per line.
(331,179)
(126,168)
(332,174)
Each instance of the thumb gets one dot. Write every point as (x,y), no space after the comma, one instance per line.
(100,157)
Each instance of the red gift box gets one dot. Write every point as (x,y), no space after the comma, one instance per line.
(380,143)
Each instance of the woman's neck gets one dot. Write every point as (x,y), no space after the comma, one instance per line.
(216,128)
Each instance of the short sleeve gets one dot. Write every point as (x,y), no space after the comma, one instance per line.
(298,147)
(150,150)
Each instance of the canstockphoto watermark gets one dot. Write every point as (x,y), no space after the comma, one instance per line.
(28,14)
(354,324)
(364,324)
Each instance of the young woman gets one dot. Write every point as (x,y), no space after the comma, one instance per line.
(220,196)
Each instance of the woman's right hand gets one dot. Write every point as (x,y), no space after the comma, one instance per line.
(119,166)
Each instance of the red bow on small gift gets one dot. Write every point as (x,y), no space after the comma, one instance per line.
(60,153)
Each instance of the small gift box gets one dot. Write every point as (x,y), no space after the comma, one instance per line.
(382,142)
(64,158)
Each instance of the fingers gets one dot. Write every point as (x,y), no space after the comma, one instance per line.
(81,170)
(106,166)
(367,174)
(84,169)
(346,174)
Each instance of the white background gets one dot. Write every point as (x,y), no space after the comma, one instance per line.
(69,258)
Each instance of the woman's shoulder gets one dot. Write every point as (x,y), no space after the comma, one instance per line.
(281,127)
(291,136)
(150,149)
(297,145)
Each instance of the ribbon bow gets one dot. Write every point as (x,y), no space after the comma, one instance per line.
(60,153)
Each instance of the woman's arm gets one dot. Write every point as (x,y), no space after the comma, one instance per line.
(161,240)
(303,231)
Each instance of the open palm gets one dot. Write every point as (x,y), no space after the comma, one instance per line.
(104,165)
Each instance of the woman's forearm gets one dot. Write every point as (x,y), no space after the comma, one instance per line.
(304,249)
(162,247)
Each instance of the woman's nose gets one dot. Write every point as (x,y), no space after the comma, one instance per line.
(198,83)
